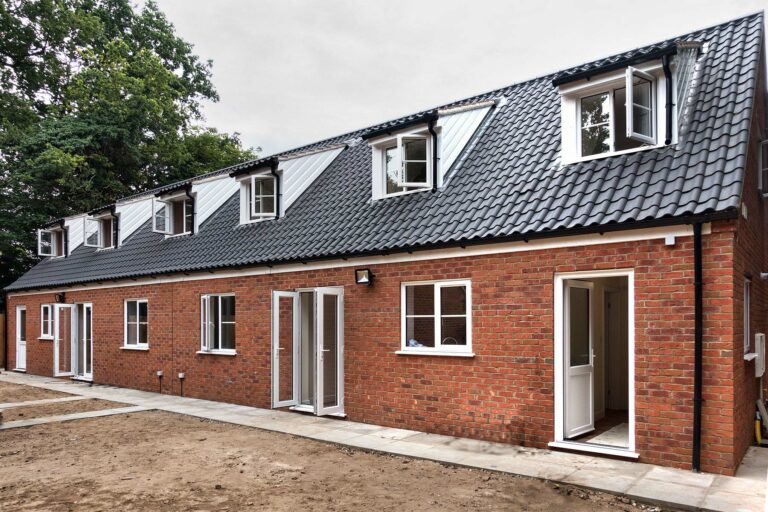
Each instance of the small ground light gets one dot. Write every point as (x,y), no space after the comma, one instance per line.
(363,276)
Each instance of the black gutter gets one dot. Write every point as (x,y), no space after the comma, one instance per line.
(606,228)
(270,161)
(698,349)
(393,128)
(669,49)
(431,128)
(670,103)
(273,171)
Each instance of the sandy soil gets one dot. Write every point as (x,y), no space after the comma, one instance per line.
(56,409)
(157,460)
(18,393)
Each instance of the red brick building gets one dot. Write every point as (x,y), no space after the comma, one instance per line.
(560,263)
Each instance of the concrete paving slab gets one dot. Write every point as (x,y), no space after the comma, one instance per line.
(42,401)
(668,493)
(395,433)
(595,479)
(702,480)
(722,500)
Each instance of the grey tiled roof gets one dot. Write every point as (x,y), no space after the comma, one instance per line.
(508,183)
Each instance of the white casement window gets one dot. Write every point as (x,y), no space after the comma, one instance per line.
(173,216)
(747,306)
(50,242)
(217,323)
(762,167)
(613,114)
(98,232)
(261,196)
(46,321)
(402,163)
(136,332)
(436,318)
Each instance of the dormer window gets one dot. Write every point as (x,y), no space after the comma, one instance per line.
(614,113)
(173,215)
(99,231)
(50,242)
(258,198)
(403,163)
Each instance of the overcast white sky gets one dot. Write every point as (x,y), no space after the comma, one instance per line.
(290,72)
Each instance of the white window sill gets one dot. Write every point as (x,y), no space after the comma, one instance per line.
(440,353)
(398,194)
(604,450)
(45,338)
(139,348)
(105,248)
(750,357)
(254,221)
(217,352)
(611,154)
(174,235)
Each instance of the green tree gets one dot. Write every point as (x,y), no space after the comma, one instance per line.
(97,100)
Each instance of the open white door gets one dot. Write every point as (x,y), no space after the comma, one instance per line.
(330,351)
(21,338)
(285,349)
(579,358)
(64,335)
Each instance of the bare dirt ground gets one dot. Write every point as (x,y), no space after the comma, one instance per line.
(56,409)
(18,393)
(163,461)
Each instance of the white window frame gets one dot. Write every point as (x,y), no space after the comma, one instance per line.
(56,250)
(90,221)
(137,345)
(252,195)
(379,148)
(402,161)
(747,303)
(633,73)
(439,348)
(204,341)
(572,94)
(46,331)
(186,201)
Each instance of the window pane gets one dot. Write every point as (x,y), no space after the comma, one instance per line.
(142,311)
(392,170)
(415,149)
(594,110)
(453,300)
(228,336)
(621,141)
(420,332)
(420,300)
(106,233)
(641,93)
(595,129)
(594,140)
(46,242)
(46,316)
(213,318)
(641,121)
(578,326)
(415,172)
(161,214)
(131,308)
(267,187)
(22,327)
(268,205)
(228,309)
(143,333)
(131,337)
(189,216)
(454,331)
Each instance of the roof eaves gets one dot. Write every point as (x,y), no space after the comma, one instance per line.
(566,77)
(405,123)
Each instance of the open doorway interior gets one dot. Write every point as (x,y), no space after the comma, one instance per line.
(597,358)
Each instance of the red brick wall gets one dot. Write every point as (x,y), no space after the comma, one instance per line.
(505,393)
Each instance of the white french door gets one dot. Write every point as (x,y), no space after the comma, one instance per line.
(579,358)
(330,351)
(64,335)
(21,338)
(84,344)
(285,347)
(307,350)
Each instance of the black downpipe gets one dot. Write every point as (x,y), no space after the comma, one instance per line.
(115,225)
(431,127)
(698,336)
(273,171)
(65,238)
(670,103)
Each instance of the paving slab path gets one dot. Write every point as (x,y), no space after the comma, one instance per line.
(644,482)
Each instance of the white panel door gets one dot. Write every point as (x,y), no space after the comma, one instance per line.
(579,359)
(285,349)
(64,336)
(330,351)
(21,338)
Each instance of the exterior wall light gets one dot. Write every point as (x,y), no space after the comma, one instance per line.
(364,276)
(61,298)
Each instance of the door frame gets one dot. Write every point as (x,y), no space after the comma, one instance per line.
(275,342)
(57,308)
(338,409)
(559,349)
(19,309)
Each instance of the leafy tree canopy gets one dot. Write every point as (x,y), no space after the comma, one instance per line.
(97,100)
